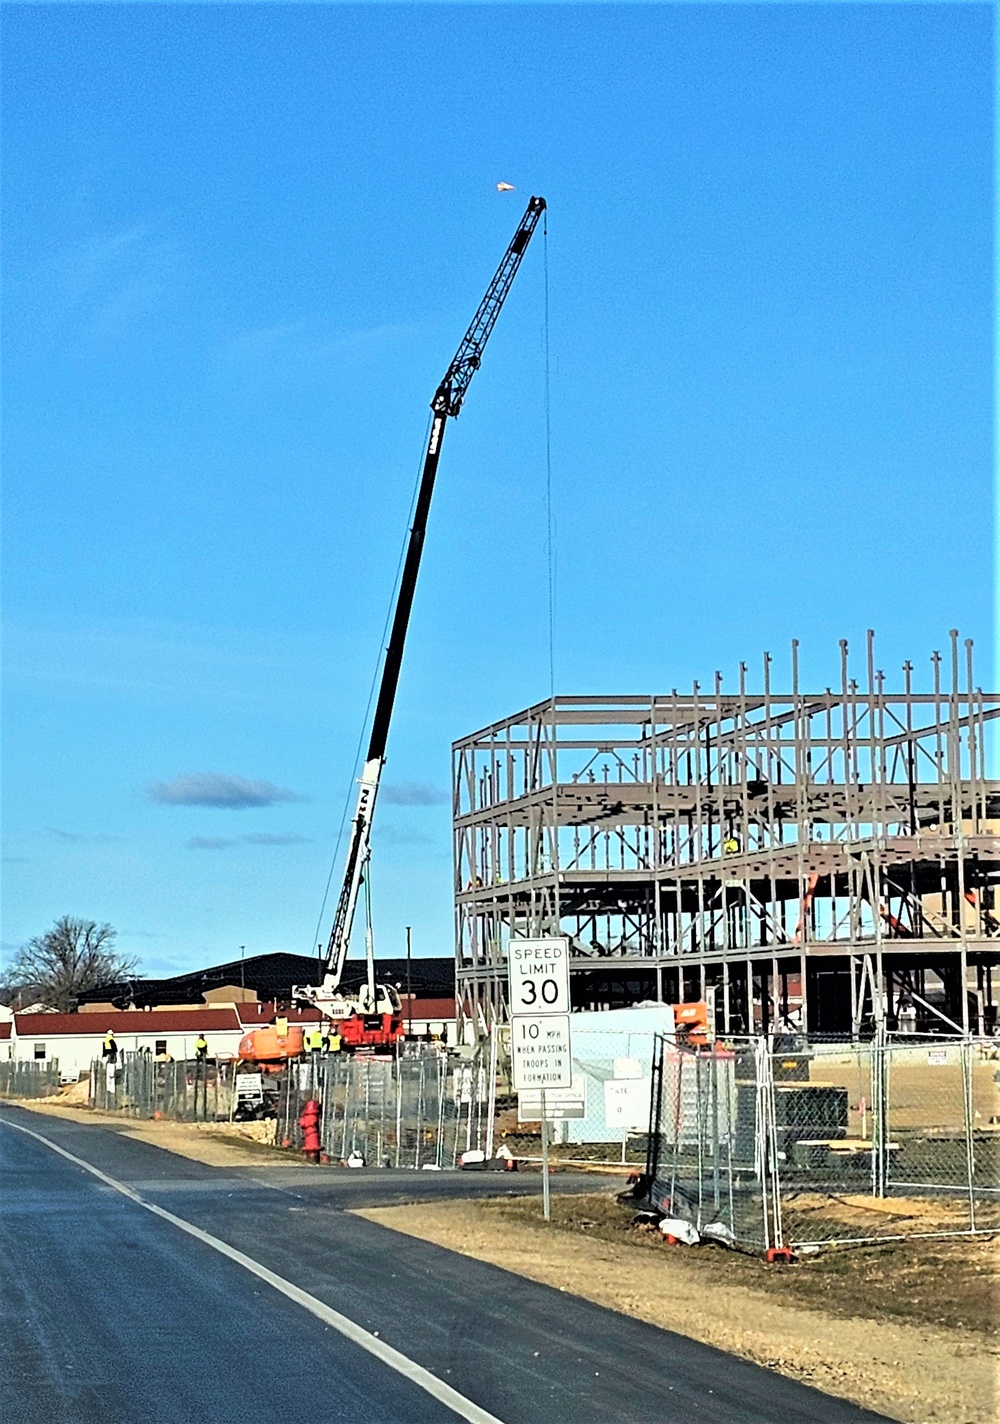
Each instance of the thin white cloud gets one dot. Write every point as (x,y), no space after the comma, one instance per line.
(220,791)
(83,837)
(413,793)
(258,838)
(112,279)
(261,838)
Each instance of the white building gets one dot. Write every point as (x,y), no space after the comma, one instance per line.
(74,1041)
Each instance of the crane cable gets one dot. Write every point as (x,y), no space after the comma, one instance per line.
(335,857)
(549,522)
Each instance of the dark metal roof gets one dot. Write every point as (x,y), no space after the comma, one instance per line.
(271,977)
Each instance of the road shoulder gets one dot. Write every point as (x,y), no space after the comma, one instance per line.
(918,1374)
(212,1144)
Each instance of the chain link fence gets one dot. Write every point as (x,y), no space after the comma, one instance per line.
(198,1090)
(28,1080)
(423,1108)
(604,1115)
(775,1142)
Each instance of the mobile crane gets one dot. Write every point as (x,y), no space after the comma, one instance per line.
(373,1015)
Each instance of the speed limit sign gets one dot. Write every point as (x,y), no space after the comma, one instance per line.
(539,976)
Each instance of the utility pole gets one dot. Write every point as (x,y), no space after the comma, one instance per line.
(409,996)
(243,950)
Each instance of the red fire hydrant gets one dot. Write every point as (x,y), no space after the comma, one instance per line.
(309,1123)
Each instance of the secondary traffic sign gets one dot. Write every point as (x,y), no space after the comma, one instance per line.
(539,976)
(560,1103)
(540,1051)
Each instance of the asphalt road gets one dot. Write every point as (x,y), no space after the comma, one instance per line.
(111,1313)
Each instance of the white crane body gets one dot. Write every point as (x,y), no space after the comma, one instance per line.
(373,1000)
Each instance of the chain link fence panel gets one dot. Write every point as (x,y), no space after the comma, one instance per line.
(28,1080)
(704,1155)
(605,1112)
(138,1085)
(421,1109)
(775,1142)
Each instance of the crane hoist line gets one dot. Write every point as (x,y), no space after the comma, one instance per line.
(381,1001)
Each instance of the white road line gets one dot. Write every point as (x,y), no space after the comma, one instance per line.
(410,1370)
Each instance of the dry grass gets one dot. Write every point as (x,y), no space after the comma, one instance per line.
(954,1283)
(905,1329)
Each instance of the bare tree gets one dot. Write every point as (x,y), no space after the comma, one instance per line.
(55,968)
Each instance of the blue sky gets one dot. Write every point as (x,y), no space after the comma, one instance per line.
(241,246)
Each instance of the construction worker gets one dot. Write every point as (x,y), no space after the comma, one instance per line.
(109,1050)
(201,1046)
(336,1043)
(314,1040)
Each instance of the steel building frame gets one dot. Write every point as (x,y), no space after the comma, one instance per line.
(817,861)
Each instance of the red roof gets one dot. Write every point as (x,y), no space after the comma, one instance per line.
(5,1030)
(429,1009)
(128,1021)
(422,1009)
(264,1013)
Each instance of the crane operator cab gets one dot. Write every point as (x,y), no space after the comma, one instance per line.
(369,1016)
(382,1000)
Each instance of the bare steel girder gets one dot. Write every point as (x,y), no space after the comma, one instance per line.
(767,845)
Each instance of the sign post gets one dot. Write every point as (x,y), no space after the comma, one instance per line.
(546,1202)
(540,1048)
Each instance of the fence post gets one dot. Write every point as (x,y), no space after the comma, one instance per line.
(491,1093)
(348,1100)
(399,1106)
(699,1118)
(879,1051)
(713,1080)
(420,1111)
(767,1147)
(655,1109)
(970,1149)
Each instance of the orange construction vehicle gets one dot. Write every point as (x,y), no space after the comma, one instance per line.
(693,1024)
(270,1048)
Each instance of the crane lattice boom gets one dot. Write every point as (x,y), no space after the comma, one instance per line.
(446,404)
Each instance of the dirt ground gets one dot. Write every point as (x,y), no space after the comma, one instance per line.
(907,1329)
(217,1144)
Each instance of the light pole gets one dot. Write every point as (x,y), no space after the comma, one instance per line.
(409,996)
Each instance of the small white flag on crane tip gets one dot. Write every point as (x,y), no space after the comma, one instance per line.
(505,188)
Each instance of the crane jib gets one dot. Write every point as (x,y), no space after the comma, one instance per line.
(447,403)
